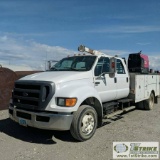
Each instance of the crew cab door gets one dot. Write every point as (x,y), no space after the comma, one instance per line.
(121,79)
(104,83)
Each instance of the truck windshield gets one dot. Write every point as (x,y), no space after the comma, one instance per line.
(76,63)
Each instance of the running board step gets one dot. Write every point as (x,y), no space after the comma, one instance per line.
(109,105)
(129,108)
(119,112)
(124,101)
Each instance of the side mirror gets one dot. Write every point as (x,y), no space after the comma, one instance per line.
(112,65)
(50,63)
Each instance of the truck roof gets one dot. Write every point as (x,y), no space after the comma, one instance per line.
(100,55)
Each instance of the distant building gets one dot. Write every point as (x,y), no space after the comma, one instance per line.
(17,68)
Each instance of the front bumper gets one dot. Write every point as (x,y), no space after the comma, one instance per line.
(42,120)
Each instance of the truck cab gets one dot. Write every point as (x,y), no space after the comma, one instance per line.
(111,86)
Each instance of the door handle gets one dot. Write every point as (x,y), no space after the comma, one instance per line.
(115,79)
(127,79)
(97,82)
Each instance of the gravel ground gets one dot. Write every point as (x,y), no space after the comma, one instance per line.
(17,142)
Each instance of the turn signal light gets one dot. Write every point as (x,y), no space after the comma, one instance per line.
(70,102)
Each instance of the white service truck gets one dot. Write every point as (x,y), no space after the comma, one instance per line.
(79,91)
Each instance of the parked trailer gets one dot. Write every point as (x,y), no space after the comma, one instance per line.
(7,79)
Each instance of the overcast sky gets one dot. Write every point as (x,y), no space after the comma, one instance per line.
(32,31)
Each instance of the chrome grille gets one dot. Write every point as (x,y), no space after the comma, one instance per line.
(32,95)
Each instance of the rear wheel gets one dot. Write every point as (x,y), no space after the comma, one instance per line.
(149,103)
(84,123)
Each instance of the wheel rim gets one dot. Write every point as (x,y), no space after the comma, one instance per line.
(87,124)
(151,101)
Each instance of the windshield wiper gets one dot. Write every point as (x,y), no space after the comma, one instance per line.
(74,69)
(64,69)
(53,69)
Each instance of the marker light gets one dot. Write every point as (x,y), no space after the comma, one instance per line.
(113,64)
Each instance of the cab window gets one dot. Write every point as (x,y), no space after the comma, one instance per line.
(102,66)
(75,63)
(120,67)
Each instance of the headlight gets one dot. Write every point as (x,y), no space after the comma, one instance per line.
(61,102)
(66,102)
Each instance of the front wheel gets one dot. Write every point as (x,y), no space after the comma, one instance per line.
(84,123)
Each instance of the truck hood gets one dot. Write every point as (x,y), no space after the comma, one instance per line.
(58,76)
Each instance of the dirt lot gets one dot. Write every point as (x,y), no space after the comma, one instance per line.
(18,142)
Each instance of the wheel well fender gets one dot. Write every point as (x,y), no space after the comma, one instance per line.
(95,103)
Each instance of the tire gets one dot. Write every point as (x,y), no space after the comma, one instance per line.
(84,123)
(149,103)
